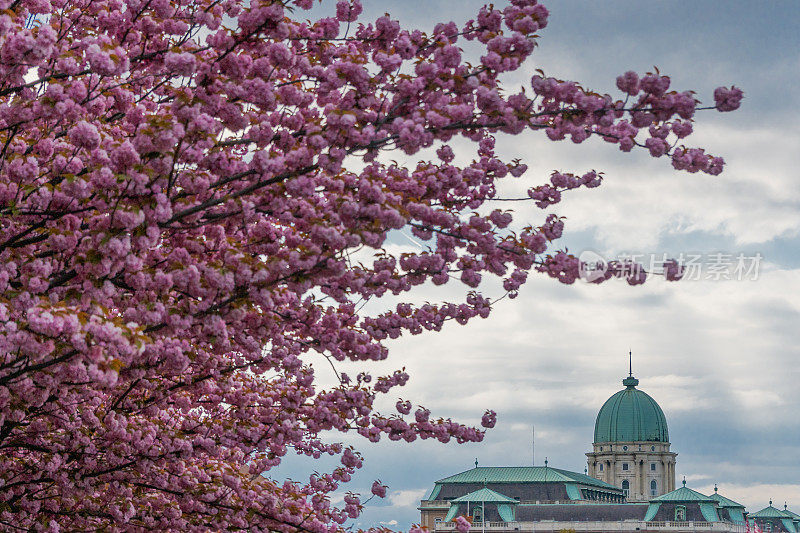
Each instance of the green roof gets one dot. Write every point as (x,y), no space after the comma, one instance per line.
(631,416)
(790,514)
(722,501)
(684,494)
(524,474)
(768,512)
(581,505)
(485,495)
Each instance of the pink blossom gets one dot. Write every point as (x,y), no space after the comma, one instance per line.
(673,271)
(85,135)
(100,61)
(403,407)
(728,99)
(180,63)
(518,170)
(378,489)
(657,146)
(124,156)
(445,153)
(655,84)
(628,83)
(682,129)
(348,10)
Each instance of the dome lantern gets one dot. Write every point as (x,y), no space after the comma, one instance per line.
(630,382)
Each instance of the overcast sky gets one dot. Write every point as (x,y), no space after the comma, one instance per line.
(720,357)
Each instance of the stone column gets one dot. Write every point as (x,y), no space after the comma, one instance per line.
(643,474)
(670,476)
(613,473)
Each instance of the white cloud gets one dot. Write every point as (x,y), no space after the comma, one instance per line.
(642,199)
(406,498)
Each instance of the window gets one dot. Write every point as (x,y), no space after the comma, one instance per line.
(768,526)
(438,519)
(652,448)
(476,514)
(653,488)
(652,467)
(601,467)
(680,513)
(624,466)
(626,487)
(601,448)
(624,448)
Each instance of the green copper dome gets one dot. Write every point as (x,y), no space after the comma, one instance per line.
(630,416)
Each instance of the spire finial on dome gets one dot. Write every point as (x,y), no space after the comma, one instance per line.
(715,488)
(684,481)
(630,364)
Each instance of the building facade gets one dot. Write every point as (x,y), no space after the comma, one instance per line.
(523,499)
(629,486)
(517,487)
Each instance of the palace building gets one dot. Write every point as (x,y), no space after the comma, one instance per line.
(629,486)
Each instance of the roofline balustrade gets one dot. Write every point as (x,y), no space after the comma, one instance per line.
(597,526)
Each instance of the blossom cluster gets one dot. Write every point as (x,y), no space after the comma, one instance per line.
(182,185)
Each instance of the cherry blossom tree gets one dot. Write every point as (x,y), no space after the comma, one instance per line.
(195,197)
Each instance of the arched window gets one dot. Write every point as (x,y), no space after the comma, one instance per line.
(601,467)
(476,514)
(653,488)
(680,513)
(625,487)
